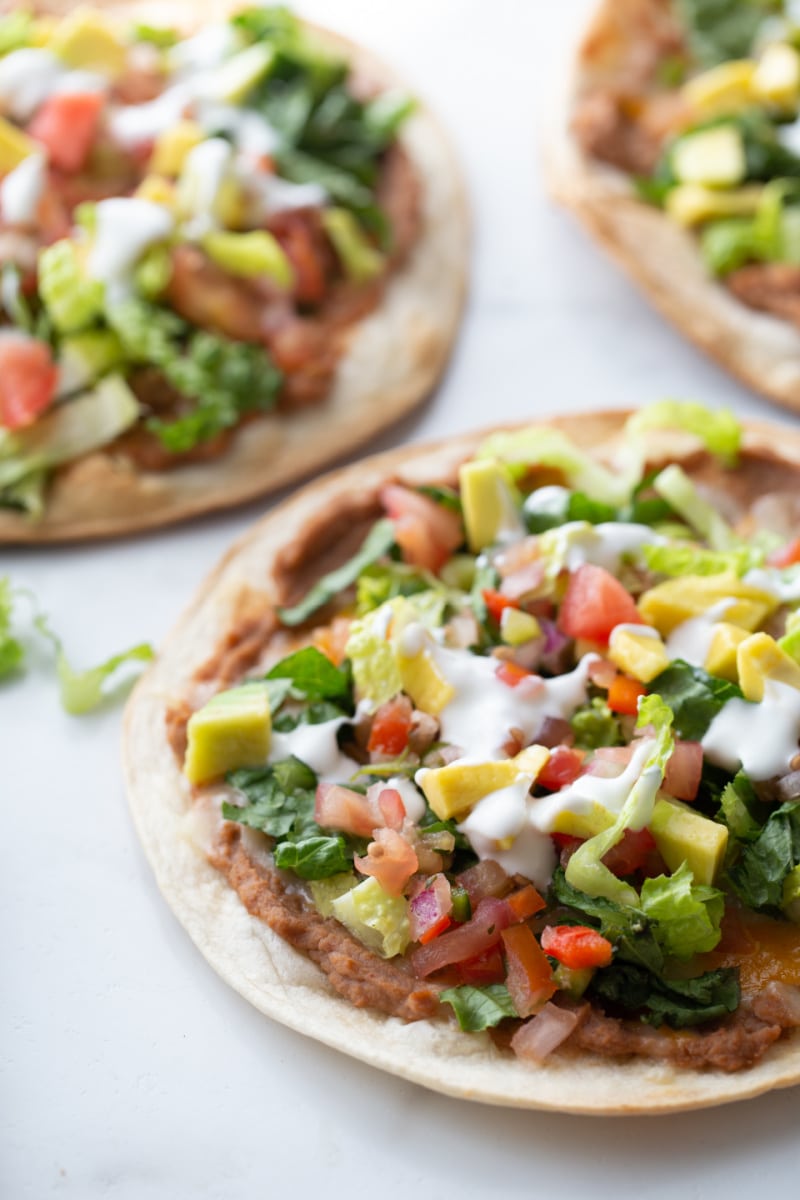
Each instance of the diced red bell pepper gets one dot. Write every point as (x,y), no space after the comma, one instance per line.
(529,976)
(577,946)
(391,726)
(28,378)
(434,930)
(525,902)
(594,603)
(66,125)
(511,675)
(624,694)
(496,603)
(787,555)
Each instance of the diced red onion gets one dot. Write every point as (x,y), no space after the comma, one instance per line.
(467,941)
(524,581)
(554,731)
(602,673)
(544,1033)
(429,906)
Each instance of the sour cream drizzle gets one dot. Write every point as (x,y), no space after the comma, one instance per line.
(126,227)
(762,738)
(317,747)
(691,640)
(21,190)
(604,545)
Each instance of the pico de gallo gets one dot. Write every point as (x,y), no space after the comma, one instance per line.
(536,748)
(188,224)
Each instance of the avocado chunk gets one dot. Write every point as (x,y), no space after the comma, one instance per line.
(721,656)
(454,790)
(360,260)
(517,627)
(692,204)
(759,658)
(790,902)
(776,79)
(683,835)
(487,503)
(172,146)
(714,157)
(86,41)
(423,682)
(677,600)
(377,919)
(250,255)
(14,146)
(233,730)
(726,88)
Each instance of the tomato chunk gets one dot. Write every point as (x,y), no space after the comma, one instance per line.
(511,675)
(426,532)
(391,727)
(623,695)
(577,946)
(389,859)
(787,555)
(525,902)
(496,603)
(529,977)
(28,378)
(594,603)
(485,969)
(66,125)
(635,851)
(561,769)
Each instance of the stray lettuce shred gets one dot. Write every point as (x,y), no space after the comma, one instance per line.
(379,541)
(479,1008)
(80,691)
(718,429)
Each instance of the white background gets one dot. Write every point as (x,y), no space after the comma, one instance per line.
(129,1070)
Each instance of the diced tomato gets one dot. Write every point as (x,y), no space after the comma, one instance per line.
(486,878)
(391,727)
(510,674)
(632,853)
(28,378)
(529,976)
(787,555)
(467,941)
(594,603)
(624,694)
(338,807)
(561,769)
(66,125)
(577,946)
(389,859)
(331,639)
(684,771)
(485,969)
(426,532)
(496,603)
(392,809)
(525,903)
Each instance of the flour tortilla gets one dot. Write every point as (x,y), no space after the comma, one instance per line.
(662,258)
(277,979)
(393,360)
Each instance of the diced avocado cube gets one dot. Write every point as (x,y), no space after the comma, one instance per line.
(573,980)
(726,88)
(454,790)
(517,627)
(86,41)
(325,891)
(670,603)
(714,157)
(692,204)
(583,824)
(14,146)
(683,835)
(377,919)
(776,79)
(238,75)
(172,146)
(638,654)
(487,503)
(790,902)
(423,682)
(232,730)
(359,258)
(158,190)
(721,657)
(250,255)
(758,658)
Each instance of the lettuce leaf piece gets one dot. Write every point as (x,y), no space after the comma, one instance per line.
(694,696)
(685,916)
(675,486)
(585,869)
(314,676)
(280,799)
(551,448)
(595,725)
(73,300)
(478,1008)
(758,873)
(728,244)
(383,581)
(739,809)
(680,1003)
(316,857)
(718,429)
(68,431)
(379,541)
(16,30)
(722,29)
(372,657)
(12,652)
(688,559)
(82,691)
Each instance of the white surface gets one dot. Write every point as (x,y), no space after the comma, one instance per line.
(128,1069)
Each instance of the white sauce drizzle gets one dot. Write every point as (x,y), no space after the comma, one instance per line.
(604,545)
(27,77)
(206,49)
(410,795)
(691,640)
(504,815)
(588,790)
(21,190)
(762,737)
(132,124)
(317,747)
(126,227)
(784,585)
(204,172)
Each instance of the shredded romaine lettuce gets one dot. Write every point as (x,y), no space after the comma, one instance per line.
(585,870)
(551,448)
(675,486)
(688,559)
(371,653)
(718,429)
(73,300)
(686,916)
